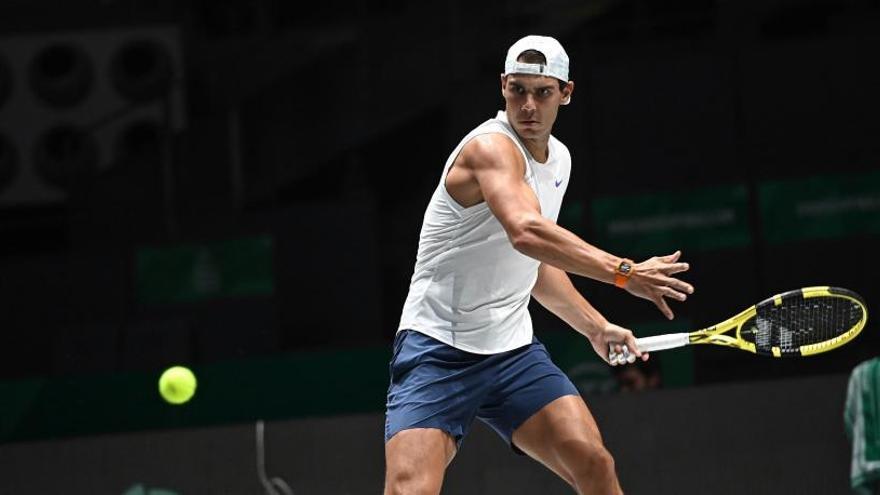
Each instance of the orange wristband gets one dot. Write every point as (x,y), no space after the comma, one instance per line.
(623,272)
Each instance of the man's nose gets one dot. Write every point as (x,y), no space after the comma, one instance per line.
(529,104)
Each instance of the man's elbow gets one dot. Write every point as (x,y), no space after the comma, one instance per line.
(524,236)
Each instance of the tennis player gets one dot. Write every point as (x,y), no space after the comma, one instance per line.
(489,241)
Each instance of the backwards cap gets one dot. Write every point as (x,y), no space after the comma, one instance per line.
(557,59)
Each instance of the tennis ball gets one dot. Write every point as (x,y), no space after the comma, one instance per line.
(177,385)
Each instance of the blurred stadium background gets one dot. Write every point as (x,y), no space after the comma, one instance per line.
(238,186)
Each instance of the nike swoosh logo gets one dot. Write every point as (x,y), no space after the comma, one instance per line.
(558,183)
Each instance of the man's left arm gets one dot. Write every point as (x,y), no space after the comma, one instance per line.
(555,292)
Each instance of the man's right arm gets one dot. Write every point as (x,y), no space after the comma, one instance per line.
(497,166)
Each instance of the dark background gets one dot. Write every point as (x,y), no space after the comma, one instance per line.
(323,127)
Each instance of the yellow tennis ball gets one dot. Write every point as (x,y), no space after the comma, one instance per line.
(177,385)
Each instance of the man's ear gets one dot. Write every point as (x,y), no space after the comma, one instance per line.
(566,93)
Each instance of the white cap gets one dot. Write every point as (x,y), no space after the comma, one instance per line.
(557,59)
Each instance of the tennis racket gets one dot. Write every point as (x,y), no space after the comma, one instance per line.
(800,322)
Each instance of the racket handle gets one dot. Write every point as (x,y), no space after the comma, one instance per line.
(660,342)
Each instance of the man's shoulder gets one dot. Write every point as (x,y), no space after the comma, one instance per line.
(489,148)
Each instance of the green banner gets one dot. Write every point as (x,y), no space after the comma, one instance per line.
(195,272)
(821,207)
(656,224)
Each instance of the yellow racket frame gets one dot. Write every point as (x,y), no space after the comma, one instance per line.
(713,334)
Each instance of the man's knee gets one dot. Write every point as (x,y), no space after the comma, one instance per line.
(412,480)
(416,461)
(584,458)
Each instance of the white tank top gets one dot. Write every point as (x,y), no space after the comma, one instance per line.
(471,288)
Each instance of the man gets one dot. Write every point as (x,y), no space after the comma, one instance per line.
(489,242)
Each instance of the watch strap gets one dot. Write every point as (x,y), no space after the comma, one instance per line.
(623,272)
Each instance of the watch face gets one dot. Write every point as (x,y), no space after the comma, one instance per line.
(624,268)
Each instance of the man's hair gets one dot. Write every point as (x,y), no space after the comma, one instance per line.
(536,57)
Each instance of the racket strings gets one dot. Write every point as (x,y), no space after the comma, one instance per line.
(799,322)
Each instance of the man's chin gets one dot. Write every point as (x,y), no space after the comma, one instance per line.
(529,131)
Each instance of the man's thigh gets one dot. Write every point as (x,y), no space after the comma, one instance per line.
(417,446)
(562,433)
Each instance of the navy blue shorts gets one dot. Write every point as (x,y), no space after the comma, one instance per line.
(434,385)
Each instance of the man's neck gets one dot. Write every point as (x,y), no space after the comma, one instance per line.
(538,148)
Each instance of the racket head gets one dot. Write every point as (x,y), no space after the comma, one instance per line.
(804,322)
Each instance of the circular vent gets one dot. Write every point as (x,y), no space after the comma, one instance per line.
(141,70)
(64,153)
(61,74)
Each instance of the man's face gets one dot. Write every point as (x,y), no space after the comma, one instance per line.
(533,102)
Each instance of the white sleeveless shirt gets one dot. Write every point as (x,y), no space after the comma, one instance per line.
(471,288)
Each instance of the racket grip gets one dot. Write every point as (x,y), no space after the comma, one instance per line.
(660,342)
